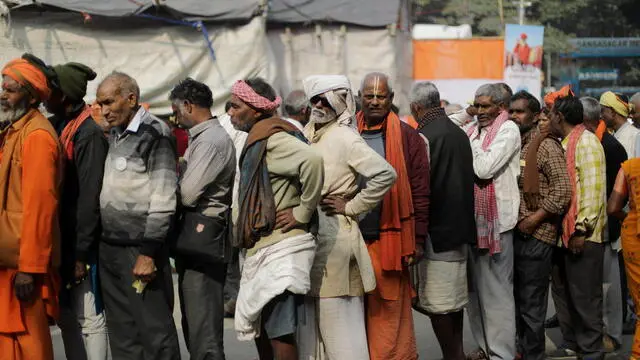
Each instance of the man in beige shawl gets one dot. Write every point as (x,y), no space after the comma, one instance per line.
(342,270)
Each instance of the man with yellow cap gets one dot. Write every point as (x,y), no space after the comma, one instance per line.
(85,147)
(615,111)
(30,177)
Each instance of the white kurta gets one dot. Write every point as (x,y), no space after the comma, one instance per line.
(627,135)
(501,162)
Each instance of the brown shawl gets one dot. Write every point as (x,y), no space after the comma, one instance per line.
(257,216)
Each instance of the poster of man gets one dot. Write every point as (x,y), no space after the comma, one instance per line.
(523,57)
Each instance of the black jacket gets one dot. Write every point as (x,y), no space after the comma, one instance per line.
(451,219)
(80,197)
(615,155)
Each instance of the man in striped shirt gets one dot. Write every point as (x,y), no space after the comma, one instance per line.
(137,204)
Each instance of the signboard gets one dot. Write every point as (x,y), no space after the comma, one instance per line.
(596,92)
(598,74)
(523,49)
(605,47)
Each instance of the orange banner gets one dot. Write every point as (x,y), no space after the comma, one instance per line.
(458,59)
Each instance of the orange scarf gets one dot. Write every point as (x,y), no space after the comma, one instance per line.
(70,131)
(397,227)
(569,221)
(600,130)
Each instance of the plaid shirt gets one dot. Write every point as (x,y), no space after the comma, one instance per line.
(591,187)
(555,187)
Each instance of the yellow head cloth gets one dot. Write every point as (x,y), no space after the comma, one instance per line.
(618,105)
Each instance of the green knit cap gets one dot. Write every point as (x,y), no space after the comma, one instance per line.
(73,78)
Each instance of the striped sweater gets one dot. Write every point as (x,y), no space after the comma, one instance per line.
(138,198)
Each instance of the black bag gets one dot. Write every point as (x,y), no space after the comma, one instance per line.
(204,238)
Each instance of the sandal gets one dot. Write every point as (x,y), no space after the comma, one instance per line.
(478,354)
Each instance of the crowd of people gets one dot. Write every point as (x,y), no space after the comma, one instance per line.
(333,221)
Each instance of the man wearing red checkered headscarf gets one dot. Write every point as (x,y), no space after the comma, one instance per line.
(30,174)
(281,180)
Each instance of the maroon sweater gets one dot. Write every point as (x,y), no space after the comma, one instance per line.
(417,161)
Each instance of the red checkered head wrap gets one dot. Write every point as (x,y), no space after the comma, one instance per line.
(245,93)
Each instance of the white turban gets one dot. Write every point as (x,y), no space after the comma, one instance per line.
(337,89)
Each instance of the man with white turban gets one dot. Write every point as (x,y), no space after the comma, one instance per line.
(342,271)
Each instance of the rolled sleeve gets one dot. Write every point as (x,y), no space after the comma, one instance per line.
(379,173)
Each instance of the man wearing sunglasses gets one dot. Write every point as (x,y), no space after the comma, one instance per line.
(342,270)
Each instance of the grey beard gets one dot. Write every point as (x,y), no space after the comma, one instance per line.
(322,117)
(11,116)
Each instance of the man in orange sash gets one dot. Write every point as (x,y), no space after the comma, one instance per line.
(30,174)
(85,147)
(396,230)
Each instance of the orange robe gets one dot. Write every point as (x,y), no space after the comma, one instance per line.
(631,242)
(390,331)
(24,328)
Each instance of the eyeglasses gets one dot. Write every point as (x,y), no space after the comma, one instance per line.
(325,102)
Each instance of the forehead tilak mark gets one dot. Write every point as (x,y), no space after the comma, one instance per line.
(376,86)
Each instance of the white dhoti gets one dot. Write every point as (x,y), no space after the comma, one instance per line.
(339,332)
(283,266)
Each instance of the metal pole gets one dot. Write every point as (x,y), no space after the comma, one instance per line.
(548,69)
(521,12)
(501,11)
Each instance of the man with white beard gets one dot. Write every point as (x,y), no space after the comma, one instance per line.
(342,271)
(30,179)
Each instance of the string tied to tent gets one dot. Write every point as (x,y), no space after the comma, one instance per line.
(198,25)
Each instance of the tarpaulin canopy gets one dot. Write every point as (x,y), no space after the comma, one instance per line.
(158,56)
(368,13)
(185,9)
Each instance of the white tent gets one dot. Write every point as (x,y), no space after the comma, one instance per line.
(151,46)
(350,37)
(217,42)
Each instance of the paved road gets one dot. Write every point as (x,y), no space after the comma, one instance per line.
(427,344)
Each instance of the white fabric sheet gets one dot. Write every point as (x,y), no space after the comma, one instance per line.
(156,54)
(334,330)
(302,51)
(282,266)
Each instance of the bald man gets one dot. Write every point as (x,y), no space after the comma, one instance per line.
(137,204)
(395,231)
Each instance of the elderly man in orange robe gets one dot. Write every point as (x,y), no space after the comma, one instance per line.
(396,230)
(30,173)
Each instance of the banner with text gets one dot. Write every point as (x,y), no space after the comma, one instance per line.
(523,58)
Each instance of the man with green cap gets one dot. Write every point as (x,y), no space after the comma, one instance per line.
(82,319)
